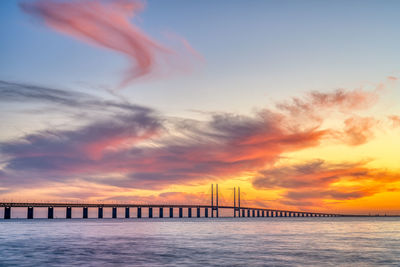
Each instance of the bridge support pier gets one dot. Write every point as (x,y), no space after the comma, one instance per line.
(7,213)
(85,212)
(100,213)
(206,212)
(68,213)
(150,212)
(180,212)
(198,212)
(243,213)
(50,213)
(30,213)
(139,212)
(171,212)
(263,213)
(189,212)
(258,213)
(161,213)
(127,213)
(114,213)
(253,213)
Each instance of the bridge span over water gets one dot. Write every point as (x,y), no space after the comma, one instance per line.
(173,210)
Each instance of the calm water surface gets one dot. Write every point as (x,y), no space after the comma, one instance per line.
(201,242)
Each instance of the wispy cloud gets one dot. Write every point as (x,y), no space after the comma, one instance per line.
(106,24)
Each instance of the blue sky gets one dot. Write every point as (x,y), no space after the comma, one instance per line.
(254,51)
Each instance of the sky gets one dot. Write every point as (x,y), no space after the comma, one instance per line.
(296,102)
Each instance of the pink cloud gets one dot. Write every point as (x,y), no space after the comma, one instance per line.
(106,24)
(359,130)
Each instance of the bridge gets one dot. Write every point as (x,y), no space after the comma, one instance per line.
(183,211)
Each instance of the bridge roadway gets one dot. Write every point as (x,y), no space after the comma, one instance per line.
(237,211)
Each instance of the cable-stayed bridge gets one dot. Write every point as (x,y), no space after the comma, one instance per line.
(212,210)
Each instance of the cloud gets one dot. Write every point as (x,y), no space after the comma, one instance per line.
(342,100)
(63,99)
(319,180)
(225,146)
(106,24)
(359,130)
(395,120)
(134,147)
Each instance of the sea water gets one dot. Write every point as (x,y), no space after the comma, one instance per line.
(370,241)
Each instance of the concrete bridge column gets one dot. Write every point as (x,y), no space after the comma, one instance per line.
(248,213)
(180,212)
(253,212)
(171,212)
(85,212)
(50,213)
(189,212)
(258,213)
(139,212)
(161,212)
(100,213)
(198,212)
(263,213)
(127,213)
(7,213)
(68,214)
(114,213)
(150,212)
(30,213)
(206,212)
(286,213)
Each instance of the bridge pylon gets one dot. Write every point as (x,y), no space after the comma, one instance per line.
(236,208)
(212,200)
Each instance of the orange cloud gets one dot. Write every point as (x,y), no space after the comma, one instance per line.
(316,181)
(395,120)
